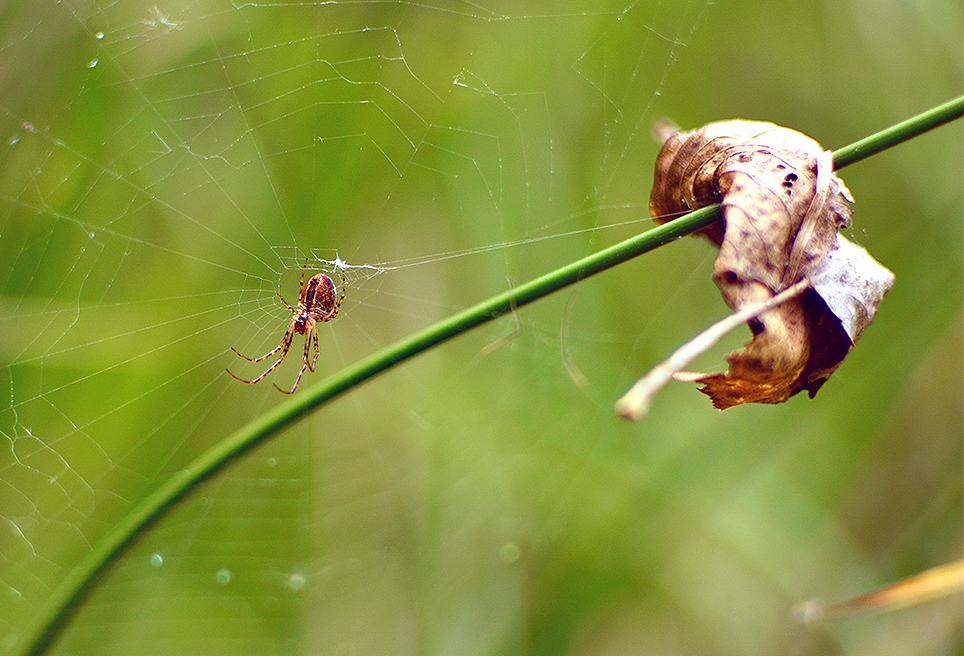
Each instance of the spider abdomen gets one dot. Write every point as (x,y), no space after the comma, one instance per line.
(319,296)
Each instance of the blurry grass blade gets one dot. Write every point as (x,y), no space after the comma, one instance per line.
(932,584)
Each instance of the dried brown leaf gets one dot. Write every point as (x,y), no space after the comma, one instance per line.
(782,206)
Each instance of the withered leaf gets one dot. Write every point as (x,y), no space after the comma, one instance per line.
(782,206)
(852,284)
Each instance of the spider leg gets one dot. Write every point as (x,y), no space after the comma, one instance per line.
(344,286)
(263,357)
(315,360)
(285,345)
(308,348)
(297,380)
(300,286)
(285,302)
(305,364)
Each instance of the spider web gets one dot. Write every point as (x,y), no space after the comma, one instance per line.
(167,170)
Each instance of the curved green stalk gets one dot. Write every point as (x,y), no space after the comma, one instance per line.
(81,579)
(899,133)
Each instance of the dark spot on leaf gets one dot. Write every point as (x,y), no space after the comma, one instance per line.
(788,182)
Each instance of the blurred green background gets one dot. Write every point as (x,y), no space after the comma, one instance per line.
(167,167)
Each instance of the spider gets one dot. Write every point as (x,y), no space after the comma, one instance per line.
(315,305)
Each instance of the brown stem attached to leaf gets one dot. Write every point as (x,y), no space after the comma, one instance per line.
(635,404)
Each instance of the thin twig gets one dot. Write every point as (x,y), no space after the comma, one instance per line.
(635,404)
